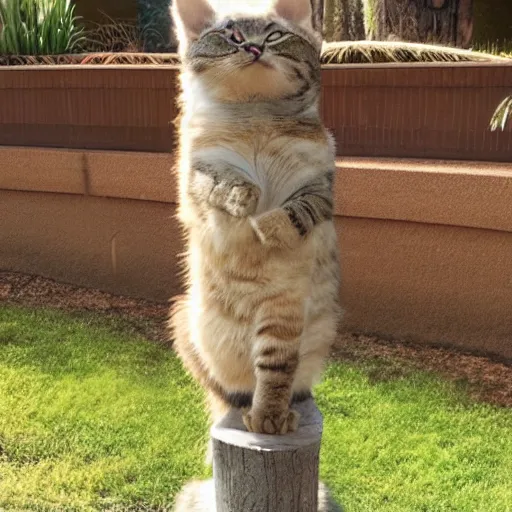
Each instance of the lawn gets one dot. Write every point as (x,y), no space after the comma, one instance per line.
(95,417)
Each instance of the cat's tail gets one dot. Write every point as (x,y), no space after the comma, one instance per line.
(179,327)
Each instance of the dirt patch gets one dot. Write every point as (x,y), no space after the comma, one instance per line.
(148,318)
(484,379)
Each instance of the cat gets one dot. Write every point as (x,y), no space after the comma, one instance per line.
(256,168)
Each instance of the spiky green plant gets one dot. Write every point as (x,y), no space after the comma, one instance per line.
(38,27)
(372,52)
(502,114)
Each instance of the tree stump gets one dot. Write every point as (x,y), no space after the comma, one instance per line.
(262,473)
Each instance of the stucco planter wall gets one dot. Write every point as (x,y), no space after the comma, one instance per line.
(426,244)
(418,111)
(97,219)
(124,108)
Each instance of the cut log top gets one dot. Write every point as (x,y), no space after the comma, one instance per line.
(262,473)
(231,430)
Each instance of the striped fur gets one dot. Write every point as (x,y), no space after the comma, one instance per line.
(256,173)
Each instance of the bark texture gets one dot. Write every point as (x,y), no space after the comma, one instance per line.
(447,22)
(262,473)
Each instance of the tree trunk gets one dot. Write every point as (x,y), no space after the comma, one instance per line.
(447,22)
(344,20)
(262,472)
(465,23)
(357,32)
(329,21)
(318,15)
(155,26)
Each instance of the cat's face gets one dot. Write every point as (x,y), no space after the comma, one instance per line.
(240,58)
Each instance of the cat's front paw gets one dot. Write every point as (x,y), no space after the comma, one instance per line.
(243,200)
(240,200)
(275,229)
(265,422)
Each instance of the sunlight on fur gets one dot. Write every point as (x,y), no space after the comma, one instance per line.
(254,7)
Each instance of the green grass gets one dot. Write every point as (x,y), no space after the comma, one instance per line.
(92,416)
(95,417)
(412,443)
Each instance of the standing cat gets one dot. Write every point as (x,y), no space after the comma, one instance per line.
(256,172)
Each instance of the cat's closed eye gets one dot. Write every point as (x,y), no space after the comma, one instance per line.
(274,36)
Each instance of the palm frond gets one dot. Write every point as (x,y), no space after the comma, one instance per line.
(373,52)
(502,115)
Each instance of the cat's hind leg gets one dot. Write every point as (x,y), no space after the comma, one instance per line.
(279,327)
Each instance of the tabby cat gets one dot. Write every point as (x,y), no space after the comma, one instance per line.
(256,170)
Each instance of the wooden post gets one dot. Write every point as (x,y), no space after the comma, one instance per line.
(262,473)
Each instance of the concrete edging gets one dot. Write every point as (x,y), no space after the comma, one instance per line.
(425,245)
(456,193)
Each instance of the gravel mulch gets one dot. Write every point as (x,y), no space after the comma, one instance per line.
(148,318)
(485,379)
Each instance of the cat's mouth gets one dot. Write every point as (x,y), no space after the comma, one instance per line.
(256,52)
(260,59)
(254,49)
(262,62)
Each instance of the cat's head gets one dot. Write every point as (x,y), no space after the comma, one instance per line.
(242,58)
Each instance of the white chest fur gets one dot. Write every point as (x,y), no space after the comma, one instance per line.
(279,167)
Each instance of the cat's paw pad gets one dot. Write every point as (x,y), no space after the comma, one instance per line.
(242,200)
(271,423)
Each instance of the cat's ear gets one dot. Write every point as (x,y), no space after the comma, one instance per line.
(192,17)
(296,11)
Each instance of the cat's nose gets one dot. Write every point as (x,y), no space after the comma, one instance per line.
(253,48)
